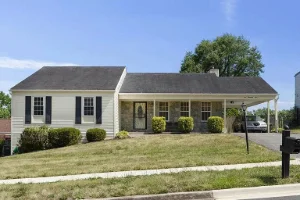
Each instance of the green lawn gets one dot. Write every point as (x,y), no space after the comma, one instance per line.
(295,130)
(154,184)
(148,152)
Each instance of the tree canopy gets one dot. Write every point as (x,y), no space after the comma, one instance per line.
(5,105)
(232,55)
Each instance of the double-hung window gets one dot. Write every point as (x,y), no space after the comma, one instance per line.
(205,110)
(164,110)
(38,106)
(184,109)
(88,106)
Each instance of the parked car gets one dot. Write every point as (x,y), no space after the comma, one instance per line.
(254,124)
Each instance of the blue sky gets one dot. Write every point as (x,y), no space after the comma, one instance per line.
(145,36)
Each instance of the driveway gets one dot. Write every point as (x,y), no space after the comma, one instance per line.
(270,140)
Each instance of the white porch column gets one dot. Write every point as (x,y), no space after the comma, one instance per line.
(189,107)
(268,117)
(154,108)
(276,114)
(225,117)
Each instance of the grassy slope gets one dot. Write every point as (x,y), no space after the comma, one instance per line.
(154,184)
(151,152)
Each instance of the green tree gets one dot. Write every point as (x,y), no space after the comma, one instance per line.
(232,55)
(5,105)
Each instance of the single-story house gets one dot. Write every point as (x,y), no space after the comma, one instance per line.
(5,127)
(112,99)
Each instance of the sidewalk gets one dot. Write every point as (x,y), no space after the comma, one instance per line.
(143,172)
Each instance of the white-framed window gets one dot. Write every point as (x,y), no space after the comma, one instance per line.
(205,110)
(88,106)
(164,110)
(184,109)
(38,106)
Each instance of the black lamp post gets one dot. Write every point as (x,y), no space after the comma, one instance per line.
(244,108)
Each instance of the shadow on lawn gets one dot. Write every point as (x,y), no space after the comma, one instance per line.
(267,179)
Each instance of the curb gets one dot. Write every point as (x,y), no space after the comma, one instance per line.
(257,192)
(170,196)
(225,194)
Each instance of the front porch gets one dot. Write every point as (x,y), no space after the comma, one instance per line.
(136,113)
(172,110)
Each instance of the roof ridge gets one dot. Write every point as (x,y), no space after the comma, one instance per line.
(152,73)
(81,66)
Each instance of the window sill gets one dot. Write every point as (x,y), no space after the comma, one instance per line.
(87,123)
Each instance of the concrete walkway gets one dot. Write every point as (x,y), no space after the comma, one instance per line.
(142,172)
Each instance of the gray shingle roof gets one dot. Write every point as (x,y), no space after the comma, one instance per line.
(72,78)
(193,83)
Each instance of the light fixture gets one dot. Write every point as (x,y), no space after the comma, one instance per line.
(244,107)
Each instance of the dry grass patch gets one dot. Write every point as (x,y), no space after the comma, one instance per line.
(154,184)
(150,152)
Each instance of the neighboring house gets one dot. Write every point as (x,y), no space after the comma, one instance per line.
(5,127)
(112,99)
(297,95)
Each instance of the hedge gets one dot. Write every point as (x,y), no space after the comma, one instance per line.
(95,134)
(158,124)
(185,124)
(215,124)
(34,139)
(62,137)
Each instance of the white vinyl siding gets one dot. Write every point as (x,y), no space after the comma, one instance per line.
(63,112)
(205,111)
(117,103)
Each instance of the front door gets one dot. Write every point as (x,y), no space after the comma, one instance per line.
(140,115)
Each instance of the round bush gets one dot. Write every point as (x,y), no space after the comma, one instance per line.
(185,124)
(122,135)
(34,139)
(215,124)
(62,137)
(95,134)
(158,124)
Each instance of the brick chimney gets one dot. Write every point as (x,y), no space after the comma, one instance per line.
(215,71)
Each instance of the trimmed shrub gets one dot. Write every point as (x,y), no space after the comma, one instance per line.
(237,126)
(158,124)
(95,134)
(62,137)
(1,145)
(215,124)
(34,139)
(122,135)
(185,124)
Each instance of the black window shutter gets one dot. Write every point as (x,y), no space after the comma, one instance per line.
(78,111)
(98,110)
(27,109)
(48,109)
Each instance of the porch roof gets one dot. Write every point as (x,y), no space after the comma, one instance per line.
(193,83)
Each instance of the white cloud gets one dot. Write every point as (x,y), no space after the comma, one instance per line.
(229,8)
(6,62)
